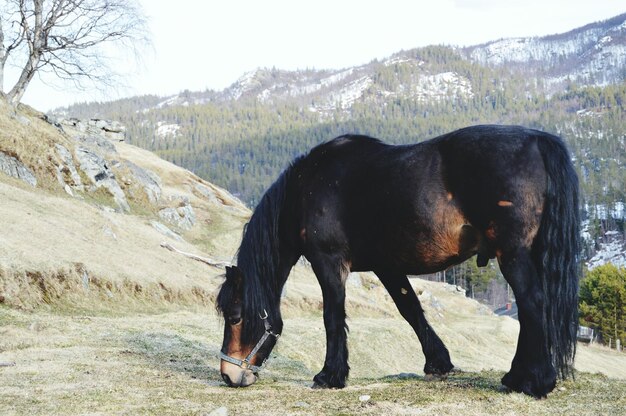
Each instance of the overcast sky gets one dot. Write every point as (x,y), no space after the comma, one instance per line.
(209,44)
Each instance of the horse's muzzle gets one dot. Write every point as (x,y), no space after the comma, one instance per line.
(235,376)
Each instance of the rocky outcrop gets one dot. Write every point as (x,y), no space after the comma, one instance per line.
(97,170)
(148,180)
(67,174)
(207,193)
(182,216)
(111,130)
(97,157)
(96,143)
(13,167)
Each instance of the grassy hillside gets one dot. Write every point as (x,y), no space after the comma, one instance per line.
(97,318)
(55,245)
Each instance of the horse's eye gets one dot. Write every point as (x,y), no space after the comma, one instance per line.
(235,321)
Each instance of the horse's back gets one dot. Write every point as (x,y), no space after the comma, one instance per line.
(426,206)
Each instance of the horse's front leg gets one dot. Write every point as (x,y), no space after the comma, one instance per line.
(331,273)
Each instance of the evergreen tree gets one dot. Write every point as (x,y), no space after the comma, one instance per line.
(603,302)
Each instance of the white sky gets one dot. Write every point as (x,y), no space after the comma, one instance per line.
(200,44)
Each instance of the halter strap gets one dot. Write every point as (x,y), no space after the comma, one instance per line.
(245,363)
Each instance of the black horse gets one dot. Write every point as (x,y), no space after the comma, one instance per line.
(357,204)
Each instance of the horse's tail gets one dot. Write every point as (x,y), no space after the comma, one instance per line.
(556,253)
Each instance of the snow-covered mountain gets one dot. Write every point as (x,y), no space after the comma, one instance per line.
(594,54)
(328,90)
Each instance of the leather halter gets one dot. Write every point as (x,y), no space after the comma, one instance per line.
(245,363)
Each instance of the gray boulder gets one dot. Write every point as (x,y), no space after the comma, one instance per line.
(13,167)
(97,143)
(207,193)
(112,130)
(183,216)
(97,170)
(68,167)
(149,181)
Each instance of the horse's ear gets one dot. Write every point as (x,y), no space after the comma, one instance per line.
(234,273)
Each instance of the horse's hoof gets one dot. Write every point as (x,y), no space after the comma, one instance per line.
(436,377)
(533,383)
(439,366)
(324,381)
(503,389)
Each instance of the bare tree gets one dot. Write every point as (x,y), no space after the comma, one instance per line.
(66,38)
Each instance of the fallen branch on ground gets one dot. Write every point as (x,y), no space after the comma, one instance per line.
(210,262)
(7,364)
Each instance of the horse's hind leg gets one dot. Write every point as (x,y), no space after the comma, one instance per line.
(436,353)
(331,273)
(532,371)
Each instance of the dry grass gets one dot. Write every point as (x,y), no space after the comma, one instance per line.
(30,139)
(168,364)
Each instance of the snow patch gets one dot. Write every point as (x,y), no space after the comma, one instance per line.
(603,41)
(442,86)
(168,102)
(602,212)
(164,130)
(346,96)
(619,28)
(612,252)
(395,61)
(248,81)
(595,113)
(335,78)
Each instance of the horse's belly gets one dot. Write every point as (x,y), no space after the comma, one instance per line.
(447,248)
(448,240)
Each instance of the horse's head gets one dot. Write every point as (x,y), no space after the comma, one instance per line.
(248,334)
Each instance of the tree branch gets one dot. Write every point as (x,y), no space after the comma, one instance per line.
(66,36)
(210,262)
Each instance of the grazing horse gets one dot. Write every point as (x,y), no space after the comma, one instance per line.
(357,204)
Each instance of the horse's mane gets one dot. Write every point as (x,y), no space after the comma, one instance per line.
(258,258)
